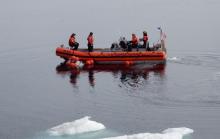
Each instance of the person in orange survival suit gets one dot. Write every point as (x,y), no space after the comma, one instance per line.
(134,41)
(72,42)
(145,41)
(90,40)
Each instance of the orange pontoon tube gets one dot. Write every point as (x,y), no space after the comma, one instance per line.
(101,57)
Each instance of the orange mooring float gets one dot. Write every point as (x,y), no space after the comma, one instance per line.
(156,55)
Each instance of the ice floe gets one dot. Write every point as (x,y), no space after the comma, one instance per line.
(85,125)
(170,133)
(82,125)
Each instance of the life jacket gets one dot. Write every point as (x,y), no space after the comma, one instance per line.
(145,38)
(90,39)
(134,40)
(72,41)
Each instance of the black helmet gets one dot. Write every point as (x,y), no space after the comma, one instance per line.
(73,34)
(91,33)
(145,32)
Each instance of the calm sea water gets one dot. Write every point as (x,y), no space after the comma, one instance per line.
(37,92)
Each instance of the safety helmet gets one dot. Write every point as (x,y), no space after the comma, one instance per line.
(73,34)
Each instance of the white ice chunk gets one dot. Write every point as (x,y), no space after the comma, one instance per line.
(181,130)
(78,126)
(171,133)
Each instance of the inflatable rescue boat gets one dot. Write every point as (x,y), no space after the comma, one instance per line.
(107,56)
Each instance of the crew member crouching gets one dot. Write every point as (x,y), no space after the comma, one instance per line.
(72,42)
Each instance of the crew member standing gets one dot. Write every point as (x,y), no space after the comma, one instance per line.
(134,41)
(145,40)
(90,40)
(72,42)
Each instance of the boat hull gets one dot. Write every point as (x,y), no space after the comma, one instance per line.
(100,56)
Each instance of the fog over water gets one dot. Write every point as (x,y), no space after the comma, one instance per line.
(37,92)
